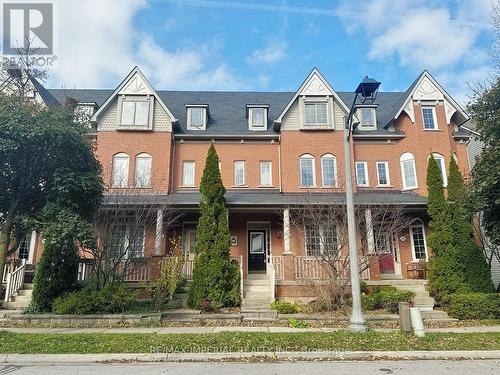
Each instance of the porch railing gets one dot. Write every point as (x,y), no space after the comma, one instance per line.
(272,275)
(14,281)
(132,271)
(278,262)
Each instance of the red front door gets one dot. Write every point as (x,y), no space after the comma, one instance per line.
(386,263)
(386,251)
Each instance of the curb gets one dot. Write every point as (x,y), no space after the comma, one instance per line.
(245,357)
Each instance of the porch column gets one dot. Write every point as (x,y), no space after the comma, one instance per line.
(159,231)
(370,239)
(286,231)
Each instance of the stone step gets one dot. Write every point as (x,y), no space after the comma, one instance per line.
(419,300)
(266,314)
(257,289)
(28,286)
(258,294)
(25,292)
(255,282)
(20,305)
(434,314)
(257,276)
(22,298)
(256,303)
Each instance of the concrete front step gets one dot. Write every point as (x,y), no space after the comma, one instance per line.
(256,282)
(15,305)
(25,292)
(257,276)
(257,288)
(257,312)
(22,298)
(434,314)
(257,294)
(28,286)
(262,303)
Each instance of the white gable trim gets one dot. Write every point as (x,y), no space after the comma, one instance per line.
(427,88)
(314,84)
(134,84)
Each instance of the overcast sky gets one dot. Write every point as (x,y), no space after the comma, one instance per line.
(273,44)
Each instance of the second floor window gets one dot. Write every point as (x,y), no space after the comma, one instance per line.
(239,173)
(135,112)
(367,118)
(383,173)
(265,173)
(307,175)
(119,175)
(188,173)
(362,173)
(442,168)
(408,171)
(257,118)
(316,113)
(196,117)
(328,170)
(429,118)
(143,170)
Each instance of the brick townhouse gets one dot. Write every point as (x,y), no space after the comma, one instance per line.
(275,148)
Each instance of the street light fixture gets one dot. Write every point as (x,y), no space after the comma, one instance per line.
(367,89)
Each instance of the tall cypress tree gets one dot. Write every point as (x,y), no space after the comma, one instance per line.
(216,280)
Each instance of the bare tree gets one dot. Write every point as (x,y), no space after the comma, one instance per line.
(320,222)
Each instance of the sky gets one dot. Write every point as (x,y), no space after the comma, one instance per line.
(271,45)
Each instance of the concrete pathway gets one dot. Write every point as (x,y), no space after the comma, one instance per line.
(165,330)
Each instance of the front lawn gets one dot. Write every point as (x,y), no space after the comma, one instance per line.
(241,341)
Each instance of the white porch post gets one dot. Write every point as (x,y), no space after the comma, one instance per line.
(286,231)
(370,239)
(159,231)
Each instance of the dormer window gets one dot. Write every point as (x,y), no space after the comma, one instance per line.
(257,117)
(316,113)
(196,117)
(367,118)
(135,112)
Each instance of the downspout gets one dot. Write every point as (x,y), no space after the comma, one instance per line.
(279,164)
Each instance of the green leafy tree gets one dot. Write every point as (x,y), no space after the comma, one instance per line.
(485,112)
(46,159)
(457,264)
(216,280)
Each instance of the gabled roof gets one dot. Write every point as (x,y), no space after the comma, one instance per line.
(314,75)
(136,72)
(46,96)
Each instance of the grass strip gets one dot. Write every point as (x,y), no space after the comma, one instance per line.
(53,343)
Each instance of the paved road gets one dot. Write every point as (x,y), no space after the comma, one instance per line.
(288,368)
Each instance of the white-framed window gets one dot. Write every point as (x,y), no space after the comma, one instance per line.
(442,167)
(188,173)
(383,178)
(408,171)
(266,178)
(362,173)
(119,175)
(257,118)
(320,239)
(126,241)
(429,117)
(367,118)
(418,242)
(307,171)
(239,173)
(136,111)
(328,170)
(196,117)
(143,164)
(316,113)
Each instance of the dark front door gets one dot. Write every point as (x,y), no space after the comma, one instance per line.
(256,250)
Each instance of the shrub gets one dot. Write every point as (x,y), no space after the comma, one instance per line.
(294,323)
(163,288)
(387,297)
(475,306)
(113,298)
(284,307)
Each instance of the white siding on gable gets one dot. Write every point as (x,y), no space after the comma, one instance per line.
(108,121)
(291,120)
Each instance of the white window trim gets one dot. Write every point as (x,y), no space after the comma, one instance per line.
(365,164)
(315,100)
(270,173)
(183,182)
(434,116)
(126,243)
(373,125)
(239,162)
(441,160)
(321,230)
(401,161)
(135,98)
(143,156)
(307,156)
(329,156)
(125,181)
(251,126)
(190,126)
(386,172)
(420,225)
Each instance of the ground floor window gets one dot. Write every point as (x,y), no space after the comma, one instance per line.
(320,239)
(126,241)
(418,244)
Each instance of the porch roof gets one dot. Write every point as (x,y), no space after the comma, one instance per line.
(274,198)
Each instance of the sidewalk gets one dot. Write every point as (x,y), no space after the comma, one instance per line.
(201,330)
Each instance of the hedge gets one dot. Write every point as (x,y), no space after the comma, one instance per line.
(475,306)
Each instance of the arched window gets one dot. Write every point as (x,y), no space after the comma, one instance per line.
(408,171)
(119,176)
(418,242)
(442,167)
(307,171)
(143,170)
(329,170)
